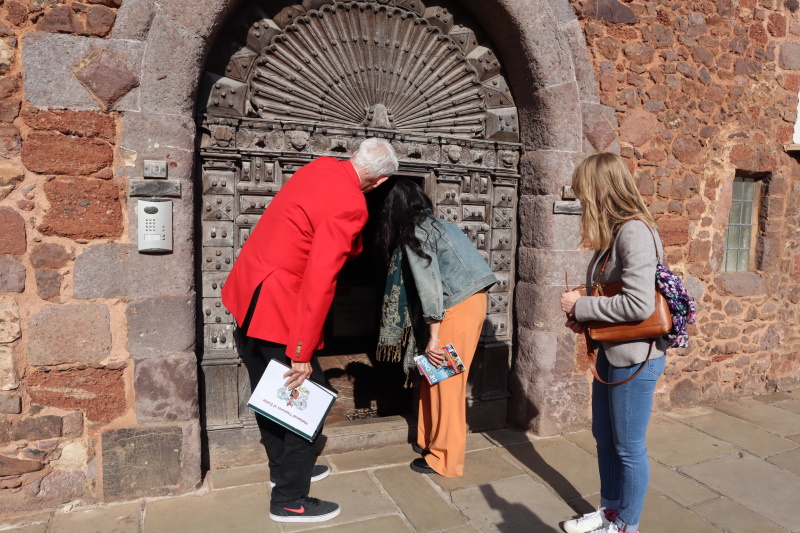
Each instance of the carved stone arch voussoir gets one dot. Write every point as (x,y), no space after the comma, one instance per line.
(397,65)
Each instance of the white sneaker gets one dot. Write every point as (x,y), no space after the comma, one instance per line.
(588,523)
(610,528)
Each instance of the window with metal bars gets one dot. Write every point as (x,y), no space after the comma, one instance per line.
(740,238)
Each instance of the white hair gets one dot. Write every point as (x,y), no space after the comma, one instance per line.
(376,158)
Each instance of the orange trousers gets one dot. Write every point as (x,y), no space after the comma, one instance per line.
(442,418)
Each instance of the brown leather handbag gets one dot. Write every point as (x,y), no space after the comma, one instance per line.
(656,325)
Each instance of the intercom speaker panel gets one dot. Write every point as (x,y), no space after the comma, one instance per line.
(155,225)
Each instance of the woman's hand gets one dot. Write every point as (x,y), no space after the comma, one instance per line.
(575,326)
(434,353)
(568,300)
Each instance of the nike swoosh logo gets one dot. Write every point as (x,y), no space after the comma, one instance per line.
(300,510)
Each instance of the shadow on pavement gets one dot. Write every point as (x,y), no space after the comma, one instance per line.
(515,516)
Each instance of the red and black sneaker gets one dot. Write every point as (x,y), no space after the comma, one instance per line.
(305,509)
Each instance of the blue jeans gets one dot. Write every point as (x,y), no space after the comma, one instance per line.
(620,414)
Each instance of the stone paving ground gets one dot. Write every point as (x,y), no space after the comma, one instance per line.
(731,466)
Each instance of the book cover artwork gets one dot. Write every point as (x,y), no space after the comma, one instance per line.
(297,398)
(302,409)
(451,366)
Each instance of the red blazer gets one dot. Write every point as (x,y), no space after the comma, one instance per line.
(308,231)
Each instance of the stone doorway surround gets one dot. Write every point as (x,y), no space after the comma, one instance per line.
(164,46)
(284,85)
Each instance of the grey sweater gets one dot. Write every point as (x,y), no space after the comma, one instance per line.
(632,261)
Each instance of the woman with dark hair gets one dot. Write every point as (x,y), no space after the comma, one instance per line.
(435,295)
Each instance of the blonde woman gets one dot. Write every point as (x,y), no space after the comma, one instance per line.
(615,221)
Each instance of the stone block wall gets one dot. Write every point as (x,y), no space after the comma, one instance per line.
(88,327)
(702,92)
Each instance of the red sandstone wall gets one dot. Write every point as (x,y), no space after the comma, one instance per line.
(702,90)
(57,195)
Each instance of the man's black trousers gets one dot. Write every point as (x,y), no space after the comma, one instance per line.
(291,457)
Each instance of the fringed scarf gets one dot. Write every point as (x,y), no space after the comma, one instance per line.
(400,330)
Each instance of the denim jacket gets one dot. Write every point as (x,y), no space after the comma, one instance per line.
(456,270)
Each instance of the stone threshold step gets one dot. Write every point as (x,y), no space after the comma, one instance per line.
(353,435)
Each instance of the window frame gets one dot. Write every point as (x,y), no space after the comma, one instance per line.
(754,223)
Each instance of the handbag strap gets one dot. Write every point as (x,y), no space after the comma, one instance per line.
(591,355)
(653,235)
(608,252)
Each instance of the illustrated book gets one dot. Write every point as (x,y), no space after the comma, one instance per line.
(301,410)
(451,366)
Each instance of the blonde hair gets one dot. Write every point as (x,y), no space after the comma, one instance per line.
(609,197)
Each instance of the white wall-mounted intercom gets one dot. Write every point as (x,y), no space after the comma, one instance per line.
(155,225)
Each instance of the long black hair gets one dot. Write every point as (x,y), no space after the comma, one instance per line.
(405,207)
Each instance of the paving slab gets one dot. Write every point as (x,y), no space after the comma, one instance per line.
(585,505)
(243,509)
(465,529)
(237,477)
(35,528)
(358,494)
(584,439)
(377,458)
(421,504)
(788,461)
(479,441)
(482,466)
(795,438)
(517,504)
(735,518)
(674,444)
(677,486)
(582,506)
(114,519)
(772,398)
(792,405)
(688,412)
(662,515)
(736,477)
(745,436)
(768,417)
(384,524)
(558,463)
(18,520)
(506,437)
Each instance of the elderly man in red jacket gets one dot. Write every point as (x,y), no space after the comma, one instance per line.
(280,290)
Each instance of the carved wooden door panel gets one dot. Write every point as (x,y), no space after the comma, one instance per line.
(286,85)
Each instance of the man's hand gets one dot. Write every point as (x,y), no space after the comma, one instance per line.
(297,375)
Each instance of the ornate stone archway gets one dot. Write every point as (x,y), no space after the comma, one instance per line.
(292,84)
